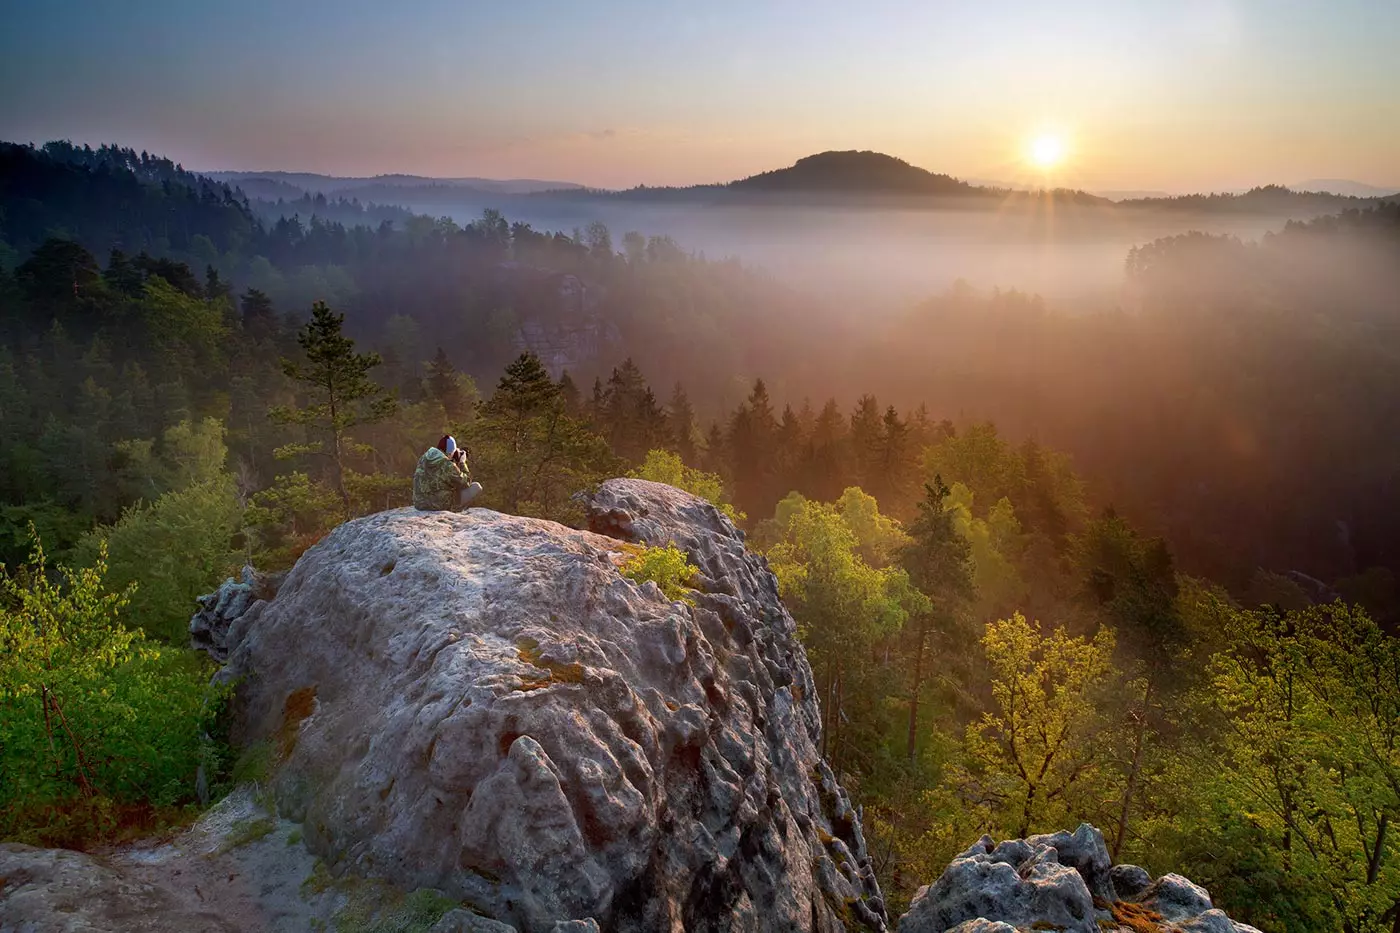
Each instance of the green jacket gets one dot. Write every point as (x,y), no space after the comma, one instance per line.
(437,482)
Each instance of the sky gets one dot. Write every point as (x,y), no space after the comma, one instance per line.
(1172,95)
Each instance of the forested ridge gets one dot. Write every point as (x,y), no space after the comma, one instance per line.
(1135,569)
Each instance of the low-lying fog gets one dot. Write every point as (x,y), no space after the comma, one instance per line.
(1073,256)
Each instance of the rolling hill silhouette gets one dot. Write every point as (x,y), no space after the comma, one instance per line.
(854,171)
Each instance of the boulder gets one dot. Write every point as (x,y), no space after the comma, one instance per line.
(1129,880)
(1058,881)
(1084,851)
(236,870)
(59,891)
(977,887)
(222,609)
(485,705)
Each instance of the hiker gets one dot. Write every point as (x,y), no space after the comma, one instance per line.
(443,482)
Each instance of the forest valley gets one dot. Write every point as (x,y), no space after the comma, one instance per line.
(1183,633)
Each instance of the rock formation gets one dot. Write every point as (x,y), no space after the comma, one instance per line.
(483,704)
(1061,881)
(228,606)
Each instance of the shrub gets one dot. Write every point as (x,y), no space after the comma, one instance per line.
(100,728)
(174,549)
(667,567)
(663,466)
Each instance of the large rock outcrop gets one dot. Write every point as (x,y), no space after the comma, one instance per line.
(1059,881)
(483,704)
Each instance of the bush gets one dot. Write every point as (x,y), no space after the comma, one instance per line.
(667,567)
(663,466)
(100,728)
(174,549)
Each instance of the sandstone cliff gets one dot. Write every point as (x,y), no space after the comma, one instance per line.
(483,704)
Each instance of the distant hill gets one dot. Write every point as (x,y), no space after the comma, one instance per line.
(856,172)
(1130,195)
(849,178)
(1265,199)
(1344,186)
(336,184)
(114,197)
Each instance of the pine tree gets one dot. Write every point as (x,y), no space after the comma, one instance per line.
(630,417)
(533,456)
(445,385)
(341,394)
(751,443)
(897,463)
(568,391)
(259,318)
(825,473)
(680,418)
(867,438)
(214,286)
(938,561)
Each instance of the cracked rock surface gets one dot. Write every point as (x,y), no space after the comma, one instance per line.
(484,705)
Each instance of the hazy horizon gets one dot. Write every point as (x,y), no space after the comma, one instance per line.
(1257,93)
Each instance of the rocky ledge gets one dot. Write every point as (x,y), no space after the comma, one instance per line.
(484,705)
(1061,881)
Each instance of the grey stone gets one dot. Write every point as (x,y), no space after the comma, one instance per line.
(978,888)
(1084,851)
(234,870)
(218,625)
(483,704)
(1129,880)
(1062,881)
(1176,898)
(1209,921)
(464,921)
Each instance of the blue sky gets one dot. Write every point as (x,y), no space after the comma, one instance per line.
(1149,94)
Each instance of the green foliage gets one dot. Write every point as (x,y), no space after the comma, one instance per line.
(341,396)
(1309,768)
(95,721)
(994,544)
(843,607)
(530,453)
(667,567)
(374,907)
(1033,758)
(288,517)
(878,536)
(189,453)
(174,549)
(184,330)
(663,466)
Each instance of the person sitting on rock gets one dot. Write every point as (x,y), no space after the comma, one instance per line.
(443,481)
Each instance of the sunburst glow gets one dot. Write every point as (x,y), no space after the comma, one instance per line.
(1046,151)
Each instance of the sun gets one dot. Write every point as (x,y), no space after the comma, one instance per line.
(1047,151)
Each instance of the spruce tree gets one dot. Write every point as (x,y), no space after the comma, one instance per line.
(939,563)
(445,386)
(340,393)
(533,456)
(680,418)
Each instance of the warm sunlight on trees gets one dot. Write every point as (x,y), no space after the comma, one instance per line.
(1033,757)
